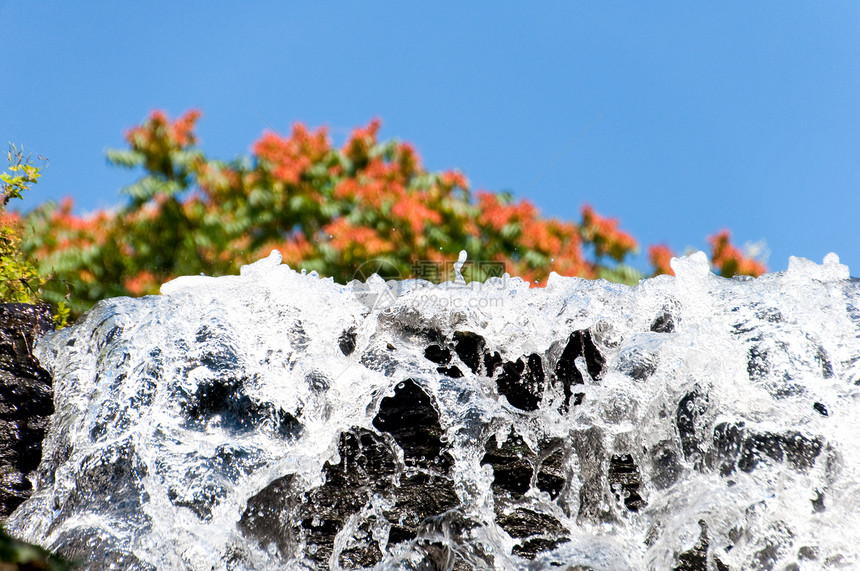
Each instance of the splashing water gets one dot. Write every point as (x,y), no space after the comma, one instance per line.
(458,266)
(278,420)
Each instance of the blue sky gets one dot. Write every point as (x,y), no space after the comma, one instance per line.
(740,115)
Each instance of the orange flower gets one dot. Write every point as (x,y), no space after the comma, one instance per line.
(361,141)
(411,209)
(454,179)
(294,251)
(357,240)
(288,158)
(408,160)
(729,260)
(604,234)
(159,130)
(492,212)
(182,129)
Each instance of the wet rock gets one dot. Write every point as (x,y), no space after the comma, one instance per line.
(437,354)
(663,323)
(26,400)
(689,417)
(579,345)
(470,348)
(367,466)
(522,383)
(347,341)
(515,469)
(696,559)
(409,416)
(266,516)
(624,481)
(666,466)
(513,465)
(594,494)
(737,447)
(366,480)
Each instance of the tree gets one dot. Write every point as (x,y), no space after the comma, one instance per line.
(20,279)
(333,210)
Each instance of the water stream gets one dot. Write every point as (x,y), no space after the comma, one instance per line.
(276,420)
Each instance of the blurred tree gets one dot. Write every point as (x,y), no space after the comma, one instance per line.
(344,212)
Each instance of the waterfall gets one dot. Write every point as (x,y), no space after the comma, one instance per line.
(277,420)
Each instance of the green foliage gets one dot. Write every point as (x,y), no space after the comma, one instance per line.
(20,279)
(20,176)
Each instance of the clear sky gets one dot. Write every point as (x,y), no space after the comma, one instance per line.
(703,116)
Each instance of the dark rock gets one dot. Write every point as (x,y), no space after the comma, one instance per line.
(263,518)
(529,549)
(523,522)
(522,383)
(551,473)
(409,416)
(691,409)
(818,502)
(112,485)
(470,348)
(437,354)
(26,400)
(382,361)
(624,480)
(579,344)
(696,559)
(346,342)
(492,362)
(663,323)
(368,468)
(515,467)
(453,372)
(638,365)
(77,548)
(224,399)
